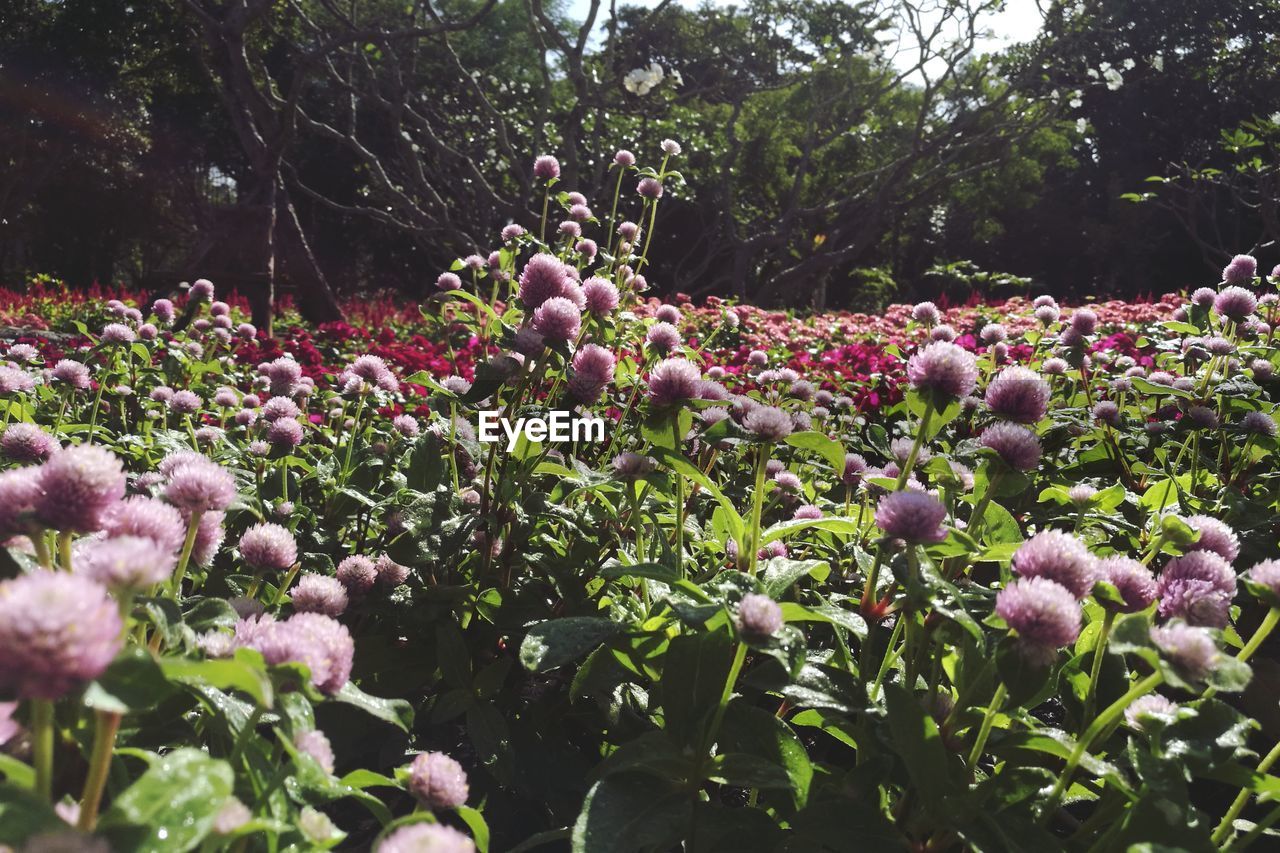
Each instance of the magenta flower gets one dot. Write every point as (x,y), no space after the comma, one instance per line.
(1135,582)
(1215,536)
(1044,615)
(1060,557)
(593,368)
(914,517)
(125,562)
(320,643)
(150,518)
(1240,270)
(943,368)
(1190,649)
(546,167)
(1018,394)
(1197,587)
(558,319)
(24,442)
(601,296)
(437,781)
(200,485)
(420,837)
(78,487)
(673,381)
(759,616)
(767,423)
(358,574)
(544,277)
(268,548)
(1235,303)
(319,594)
(1016,446)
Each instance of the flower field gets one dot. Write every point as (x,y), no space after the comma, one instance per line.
(988,576)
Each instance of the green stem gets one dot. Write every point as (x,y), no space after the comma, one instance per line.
(675,434)
(1099,652)
(717,719)
(42,745)
(104,742)
(193,527)
(757,507)
(351,443)
(988,720)
(1242,799)
(1264,630)
(915,447)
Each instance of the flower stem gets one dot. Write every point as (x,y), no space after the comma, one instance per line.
(42,745)
(1242,799)
(915,447)
(757,507)
(988,720)
(193,527)
(104,741)
(1264,630)
(676,437)
(1099,652)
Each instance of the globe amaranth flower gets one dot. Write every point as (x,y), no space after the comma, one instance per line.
(1189,648)
(13,380)
(673,381)
(313,743)
(1197,587)
(943,368)
(319,594)
(629,465)
(125,562)
(993,333)
(200,485)
(927,313)
(1081,495)
(1054,367)
(319,642)
(78,487)
(268,548)
(280,407)
(1258,423)
(759,616)
(1151,705)
(24,442)
(663,337)
(1047,314)
(855,466)
(1235,303)
(1044,614)
(57,631)
(1018,394)
(914,517)
(209,535)
(543,278)
(546,167)
(1016,446)
(1060,557)
(284,434)
(117,334)
(601,296)
(391,573)
(593,368)
(1134,581)
(425,838)
(231,817)
(437,781)
(788,482)
(650,188)
(807,511)
(767,423)
(1084,321)
(358,574)
(1240,270)
(558,319)
(1215,536)
(667,314)
(368,372)
(1107,412)
(406,425)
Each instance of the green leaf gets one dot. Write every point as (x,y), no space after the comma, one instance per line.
(751,731)
(787,529)
(653,571)
(780,574)
(557,642)
(678,463)
(133,682)
(747,771)
(397,712)
(695,668)
(917,741)
(625,812)
(172,806)
(23,813)
(245,672)
(829,449)
(478,826)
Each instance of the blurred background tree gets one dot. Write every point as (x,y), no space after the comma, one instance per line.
(837,153)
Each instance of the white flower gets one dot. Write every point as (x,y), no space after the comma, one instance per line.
(1128,64)
(1081,124)
(1157,62)
(1076,103)
(640,81)
(1114,79)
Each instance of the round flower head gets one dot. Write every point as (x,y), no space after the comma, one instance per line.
(759,616)
(117,334)
(425,838)
(1081,495)
(1190,649)
(788,482)
(1197,587)
(1084,321)
(993,333)
(406,425)
(14,380)
(268,548)
(767,423)
(1017,446)
(369,372)
(673,381)
(1044,614)
(671,148)
(1151,705)
(558,319)
(667,314)
(24,442)
(650,188)
(624,158)
(1241,270)
(322,644)
(943,333)
(437,781)
(200,485)
(1060,557)
(125,562)
(314,744)
(285,434)
(19,490)
(1107,412)
(1135,582)
(209,536)
(391,573)
(943,368)
(1267,574)
(1018,394)
(630,465)
(358,574)
(593,368)
(280,407)
(1054,367)
(1047,314)
(150,518)
(927,313)
(78,487)
(70,372)
(1235,303)
(543,278)
(663,337)
(808,511)
(185,402)
(248,331)
(319,594)
(57,631)
(163,310)
(855,466)
(202,289)
(601,296)
(1215,536)
(914,517)
(546,167)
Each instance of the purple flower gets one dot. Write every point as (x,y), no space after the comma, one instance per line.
(1018,394)
(759,616)
(543,278)
(1151,705)
(202,289)
(1197,587)
(1240,270)
(185,402)
(117,334)
(13,380)
(767,423)
(125,562)
(314,744)
(914,517)
(854,468)
(624,158)
(627,465)
(1107,412)
(209,536)
(280,407)
(78,487)
(601,295)
(663,337)
(557,319)
(24,442)
(368,372)
(437,781)
(268,548)
(1084,321)
(1135,582)
(927,313)
(425,838)
(943,368)
(650,188)
(164,311)
(1045,616)
(593,368)
(320,643)
(406,425)
(546,167)
(667,314)
(673,381)
(391,573)
(358,574)
(150,518)
(1215,536)
(1258,423)
(1190,649)
(200,485)
(1235,303)
(1061,558)
(57,631)
(319,594)
(285,434)
(807,511)
(1017,446)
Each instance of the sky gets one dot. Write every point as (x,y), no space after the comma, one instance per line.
(1019,21)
